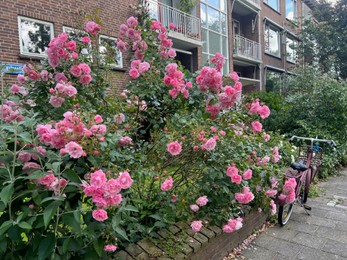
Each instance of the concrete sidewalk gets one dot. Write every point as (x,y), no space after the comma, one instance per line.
(323,235)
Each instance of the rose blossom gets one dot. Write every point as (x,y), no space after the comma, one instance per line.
(110,248)
(125,180)
(194,207)
(256,126)
(100,215)
(98,179)
(174,148)
(98,119)
(209,145)
(86,79)
(167,184)
(202,201)
(119,118)
(247,175)
(196,225)
(74,150)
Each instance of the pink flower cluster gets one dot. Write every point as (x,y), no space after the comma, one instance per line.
(233,225)
(256,108)
(15,89)
(82,71)
(92,27)
(106,193)
(275,155)
(26,156)
(60,48)
(257,126)
(233,173)
(201,201)
(174,78)
(245,197)
(174,148)
(61,91)
(51,182)
(196,225)
(9,112)
(209,144)
(273,207)
(67,133)
(288,193)
(138,68)
(210,79)
(218,60)
(124,141)
(167,184)
(165,43)
(100,215)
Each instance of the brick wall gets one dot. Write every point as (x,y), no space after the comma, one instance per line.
(112,14)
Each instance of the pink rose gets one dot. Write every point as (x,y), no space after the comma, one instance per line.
(290,197)
(125,180)
(112,187)
(271,193)
(119,118)
(98,119)
(92,27)
(234,76)
(56,101)
(209,145)
(24,156)
(167,184)
(74,150)
(256,126)
(236,178)
(124,141)
(194,207)
(100,215)
(134,73)
(76,71)
(110,248)
(174,148)
(196,225)
(247,175)
(85,39)
(202,201)
(47,180)
(232,170)
(264,112)
(98,179)
(86,79)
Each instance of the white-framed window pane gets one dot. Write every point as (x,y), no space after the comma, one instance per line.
(272,41)
(213,19)
(223,5)
(34,36)
(224,23)
(76,35)
(203,15)
(226,67)
(214,43)
(109,52)
(291,50)
(225,46)
(214,3)
(205,58)
(272,3)
(204,40)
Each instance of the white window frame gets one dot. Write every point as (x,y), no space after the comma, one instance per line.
(269,26)
(113,65)
(295,10)
(21,47)
(272,7)
(84,51)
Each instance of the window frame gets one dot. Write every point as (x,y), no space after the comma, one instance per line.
(289,57)
(113,65)
(269,26)
(295,10)
(269,5)
(21,47)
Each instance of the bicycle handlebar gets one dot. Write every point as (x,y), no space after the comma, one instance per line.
(330,142)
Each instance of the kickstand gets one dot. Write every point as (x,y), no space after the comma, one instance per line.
(306,208)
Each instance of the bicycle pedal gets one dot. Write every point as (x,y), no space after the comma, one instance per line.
(307,207)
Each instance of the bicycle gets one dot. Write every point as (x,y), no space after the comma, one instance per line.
(304,172)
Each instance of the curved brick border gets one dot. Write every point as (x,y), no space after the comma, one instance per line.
(209,243)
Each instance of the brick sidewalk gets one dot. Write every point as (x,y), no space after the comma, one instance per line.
(323,235)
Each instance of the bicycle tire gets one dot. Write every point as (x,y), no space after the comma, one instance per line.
(284,213)
(306,189)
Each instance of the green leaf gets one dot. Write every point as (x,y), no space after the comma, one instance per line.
(24,225)
(98,246)
(5,226)
(46,247)
(35,175)
(56,167)
(71,176)
(120,231)
(6,193)
(49,212)
(26,137)
(131,208)
(155,216)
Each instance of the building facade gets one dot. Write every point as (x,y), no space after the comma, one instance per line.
(257,37)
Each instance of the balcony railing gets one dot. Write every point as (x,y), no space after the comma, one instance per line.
(255,2)
(186,24)
(247,48)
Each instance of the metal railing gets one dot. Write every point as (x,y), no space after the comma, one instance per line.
(186,24)
(246,47)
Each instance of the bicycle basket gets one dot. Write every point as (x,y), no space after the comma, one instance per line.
(316,160)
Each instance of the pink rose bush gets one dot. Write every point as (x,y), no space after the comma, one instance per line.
(233,225)
(196,225)
(174,148)
(288,193)
(245,197)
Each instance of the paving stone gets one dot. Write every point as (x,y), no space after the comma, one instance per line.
(181,225)
(342,226)
(299,226)
(333,234)
(208,233)
(201,238)
(122,255)
(133,250)
(150,248)
(314,254)
(258,253)
(217,230)
(180,256)
(335,247)
(309,240)
(279,232)
(164,233)
(337,216)
(173,229)
(193,243)
(186,249)
(264,241)
(284,247)
(142,256)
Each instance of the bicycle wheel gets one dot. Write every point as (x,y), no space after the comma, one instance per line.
(284,213)
(306,187)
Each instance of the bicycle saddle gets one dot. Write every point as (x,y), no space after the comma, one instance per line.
(299,166)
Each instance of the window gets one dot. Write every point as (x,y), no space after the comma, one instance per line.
(273,4)
(34,36)
(272,40)
(274,81)
(109,52)
(291,10)
(214,30)
(291,46)
(76,35)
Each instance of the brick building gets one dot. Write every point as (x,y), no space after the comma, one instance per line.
(257,37)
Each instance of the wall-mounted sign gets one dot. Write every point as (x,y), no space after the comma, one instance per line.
(10,68)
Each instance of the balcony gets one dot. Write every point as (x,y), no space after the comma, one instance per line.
(188,27)
(251,3)
(246,49)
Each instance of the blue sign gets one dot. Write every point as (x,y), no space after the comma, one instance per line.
(12,68)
